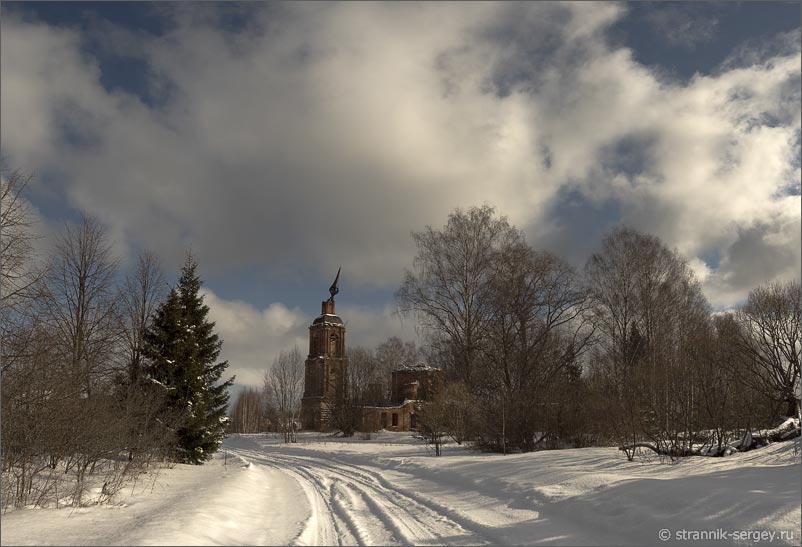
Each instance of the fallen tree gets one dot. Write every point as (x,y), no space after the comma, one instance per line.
(789,429)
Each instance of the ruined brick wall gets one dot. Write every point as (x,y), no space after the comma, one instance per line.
(375,418)
(429,383)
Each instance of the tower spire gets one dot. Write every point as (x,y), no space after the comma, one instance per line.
(334,289)
(326,368)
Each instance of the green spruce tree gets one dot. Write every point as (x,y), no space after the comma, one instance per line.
(182,350)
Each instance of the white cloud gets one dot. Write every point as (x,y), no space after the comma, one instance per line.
(368,327)
(322,134)
(253,337)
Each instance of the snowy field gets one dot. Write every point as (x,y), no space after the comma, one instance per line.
(390,490)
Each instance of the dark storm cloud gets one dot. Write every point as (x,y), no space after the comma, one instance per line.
(771,249)
(289,139)
(632,154)
(322,134)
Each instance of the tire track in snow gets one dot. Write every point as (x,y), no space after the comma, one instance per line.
(365,513)
(445,513)
(411,518)
(326,511)
(325,491)
(320,528)
(341,510)
(374,511)
(436,522)
(378,512)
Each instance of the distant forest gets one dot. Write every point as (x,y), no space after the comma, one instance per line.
(538,354)
(107,372)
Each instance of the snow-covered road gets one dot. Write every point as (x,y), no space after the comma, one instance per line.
(355,505)
(391,491)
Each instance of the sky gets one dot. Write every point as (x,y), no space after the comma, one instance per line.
(279,141)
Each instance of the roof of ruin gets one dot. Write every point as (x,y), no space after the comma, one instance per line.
(328,318)
(416,367)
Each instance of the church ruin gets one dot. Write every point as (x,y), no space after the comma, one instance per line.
(326,375)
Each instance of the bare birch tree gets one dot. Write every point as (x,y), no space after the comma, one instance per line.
(447,290)
(81,302)
(285,380)
(769,337)
(20,274)
(142,291)
(248,413)
(539,326)
(649,311)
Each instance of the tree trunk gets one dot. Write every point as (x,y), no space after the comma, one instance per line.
(792,410)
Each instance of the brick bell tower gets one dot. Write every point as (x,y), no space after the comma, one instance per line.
(326,366)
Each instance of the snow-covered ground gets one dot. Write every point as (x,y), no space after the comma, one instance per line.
(390,490)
